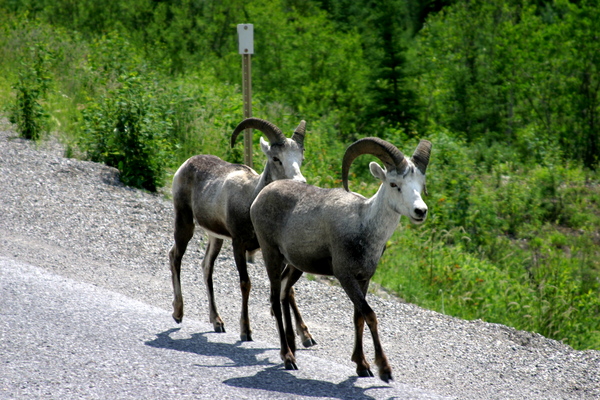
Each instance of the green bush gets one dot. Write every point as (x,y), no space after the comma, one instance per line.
(524,253)
(205,113)
(28,112)
(130,129)
(518,73)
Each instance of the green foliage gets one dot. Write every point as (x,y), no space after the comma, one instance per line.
(492,69)
(322,164)
(515,246)
(130,129)
(384,31)
(205,113)
(28,113)
(302,62)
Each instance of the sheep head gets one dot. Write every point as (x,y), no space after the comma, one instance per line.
(403,178)
(284,156)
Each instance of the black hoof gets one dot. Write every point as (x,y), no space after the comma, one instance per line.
(291,365)
(386,377)
(309,342)
(220,329)
(245,337)
(365,373)
(178,320)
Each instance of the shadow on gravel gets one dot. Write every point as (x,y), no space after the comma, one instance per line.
(279,380)
(273,378)
(199,344)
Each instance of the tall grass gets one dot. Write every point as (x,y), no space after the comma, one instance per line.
(517,246)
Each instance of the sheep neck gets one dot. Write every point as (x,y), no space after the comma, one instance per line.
(263,180)
(380,216)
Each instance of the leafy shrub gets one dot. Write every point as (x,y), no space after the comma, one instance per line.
(205,113)
(503,71)
(130,129)
(28,113)
(519,257)
(450,178)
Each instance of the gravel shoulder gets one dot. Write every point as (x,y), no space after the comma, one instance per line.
(75,219)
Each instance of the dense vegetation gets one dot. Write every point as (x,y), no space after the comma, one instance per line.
(507,90)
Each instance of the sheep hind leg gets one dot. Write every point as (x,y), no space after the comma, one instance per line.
(290,276)
(183,232)
(213,247)
(274,264)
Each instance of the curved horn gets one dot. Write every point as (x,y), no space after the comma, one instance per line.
(298,135)
(385,151)
(272,132)
(421,155)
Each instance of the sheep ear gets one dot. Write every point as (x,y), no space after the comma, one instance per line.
(377,171)
(264,145)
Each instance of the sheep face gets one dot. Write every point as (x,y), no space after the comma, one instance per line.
(284,160)
(402,192)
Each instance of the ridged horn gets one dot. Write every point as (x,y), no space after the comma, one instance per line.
(272,132)
(421,155)
(389,154)
(298,135)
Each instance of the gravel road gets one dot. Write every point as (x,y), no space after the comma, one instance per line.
(76,220)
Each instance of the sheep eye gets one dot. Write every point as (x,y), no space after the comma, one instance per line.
(392,184)
(275,159)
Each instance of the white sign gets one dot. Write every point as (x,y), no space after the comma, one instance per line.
(246,38)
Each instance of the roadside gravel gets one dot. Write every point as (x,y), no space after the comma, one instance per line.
(76,219)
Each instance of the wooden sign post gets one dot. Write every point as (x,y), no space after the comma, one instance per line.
(246,49)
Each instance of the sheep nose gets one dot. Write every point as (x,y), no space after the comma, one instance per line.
(421,212)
